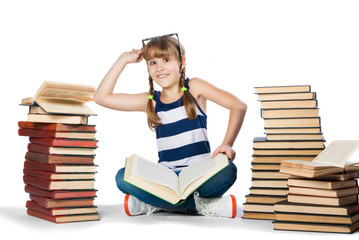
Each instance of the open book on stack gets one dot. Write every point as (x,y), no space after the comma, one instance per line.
(59,170)
(292,130)
(323,194)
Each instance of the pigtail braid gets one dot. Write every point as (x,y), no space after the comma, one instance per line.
(188,101)
(153,119)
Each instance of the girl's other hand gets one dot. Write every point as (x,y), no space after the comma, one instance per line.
(134,56)
(225,149)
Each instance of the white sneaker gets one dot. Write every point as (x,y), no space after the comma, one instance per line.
(216,207)
(134,206)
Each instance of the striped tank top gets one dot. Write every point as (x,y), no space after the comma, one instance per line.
(180,141)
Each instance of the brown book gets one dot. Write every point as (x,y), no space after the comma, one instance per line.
(58,159)
(258,207)
(293,130)
(57,127)
(58,118)
(290,113)
(263,143)
(294,137)
(60,168)
(289,104)
(287,152)
(258,174)
(282,89)
(258,215)
(60,150)
(270,183)
(271,166)
(39,133)
(287,96)
(286,206)
(55,203)
(63,142)
(253,198)
(58,176)
(331,201)
(309,183)
(279,159)
(316,218)
(60,194)
(324,192)
(291,122)
(59,184)
(64,218)
(316,227)
(269,191)
(60,211)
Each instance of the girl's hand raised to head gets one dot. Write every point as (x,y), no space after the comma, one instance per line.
(134,56)
(225,149)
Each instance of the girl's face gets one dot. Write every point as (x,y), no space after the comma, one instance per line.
(165,71)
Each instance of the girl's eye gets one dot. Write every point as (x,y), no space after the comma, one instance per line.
(166,60)
(152,62)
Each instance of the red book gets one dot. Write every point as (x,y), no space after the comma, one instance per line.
(60,194)
(59,184)
(57,126)
(32,147)
(63,142)
(57,176)
(64,168)
(64,219)
(54,203)
(54,134)
(60,211)
(54,159)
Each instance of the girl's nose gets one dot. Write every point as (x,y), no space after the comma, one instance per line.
(160,67)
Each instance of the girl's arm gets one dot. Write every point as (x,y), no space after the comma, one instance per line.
(202,89)
(104,95)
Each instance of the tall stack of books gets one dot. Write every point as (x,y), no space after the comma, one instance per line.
(292,131)
(59,170)
(323,194)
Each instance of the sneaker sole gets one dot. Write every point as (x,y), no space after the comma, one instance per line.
(234,206)
(126,205)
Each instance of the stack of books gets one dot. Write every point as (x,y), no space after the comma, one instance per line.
(323,194)
(59,169)
(292,130)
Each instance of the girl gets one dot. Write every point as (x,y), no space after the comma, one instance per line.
(178,116)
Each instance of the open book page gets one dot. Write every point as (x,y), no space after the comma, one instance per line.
(53,105)
(48,88)
(154,172)
(337,153)
(199,169)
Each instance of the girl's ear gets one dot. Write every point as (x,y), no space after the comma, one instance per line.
(183,62)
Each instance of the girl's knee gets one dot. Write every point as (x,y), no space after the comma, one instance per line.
(119,179)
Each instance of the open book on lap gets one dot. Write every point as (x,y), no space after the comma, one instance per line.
(164,183)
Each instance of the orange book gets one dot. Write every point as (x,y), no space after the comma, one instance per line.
(63,142)
(55,203)
(60,127)
(56,158)
(78,168)
(60,194)
(63,218)
(60,211)
(55,134)
(59,184)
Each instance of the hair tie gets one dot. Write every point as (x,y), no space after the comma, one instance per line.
(184,89)
(150,97)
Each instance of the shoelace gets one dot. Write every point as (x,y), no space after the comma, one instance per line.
(208,207)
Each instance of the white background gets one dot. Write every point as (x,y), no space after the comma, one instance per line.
(235,45)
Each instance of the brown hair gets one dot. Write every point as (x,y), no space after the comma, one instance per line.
(158,48)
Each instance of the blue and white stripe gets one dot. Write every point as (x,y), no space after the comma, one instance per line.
(180,141)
